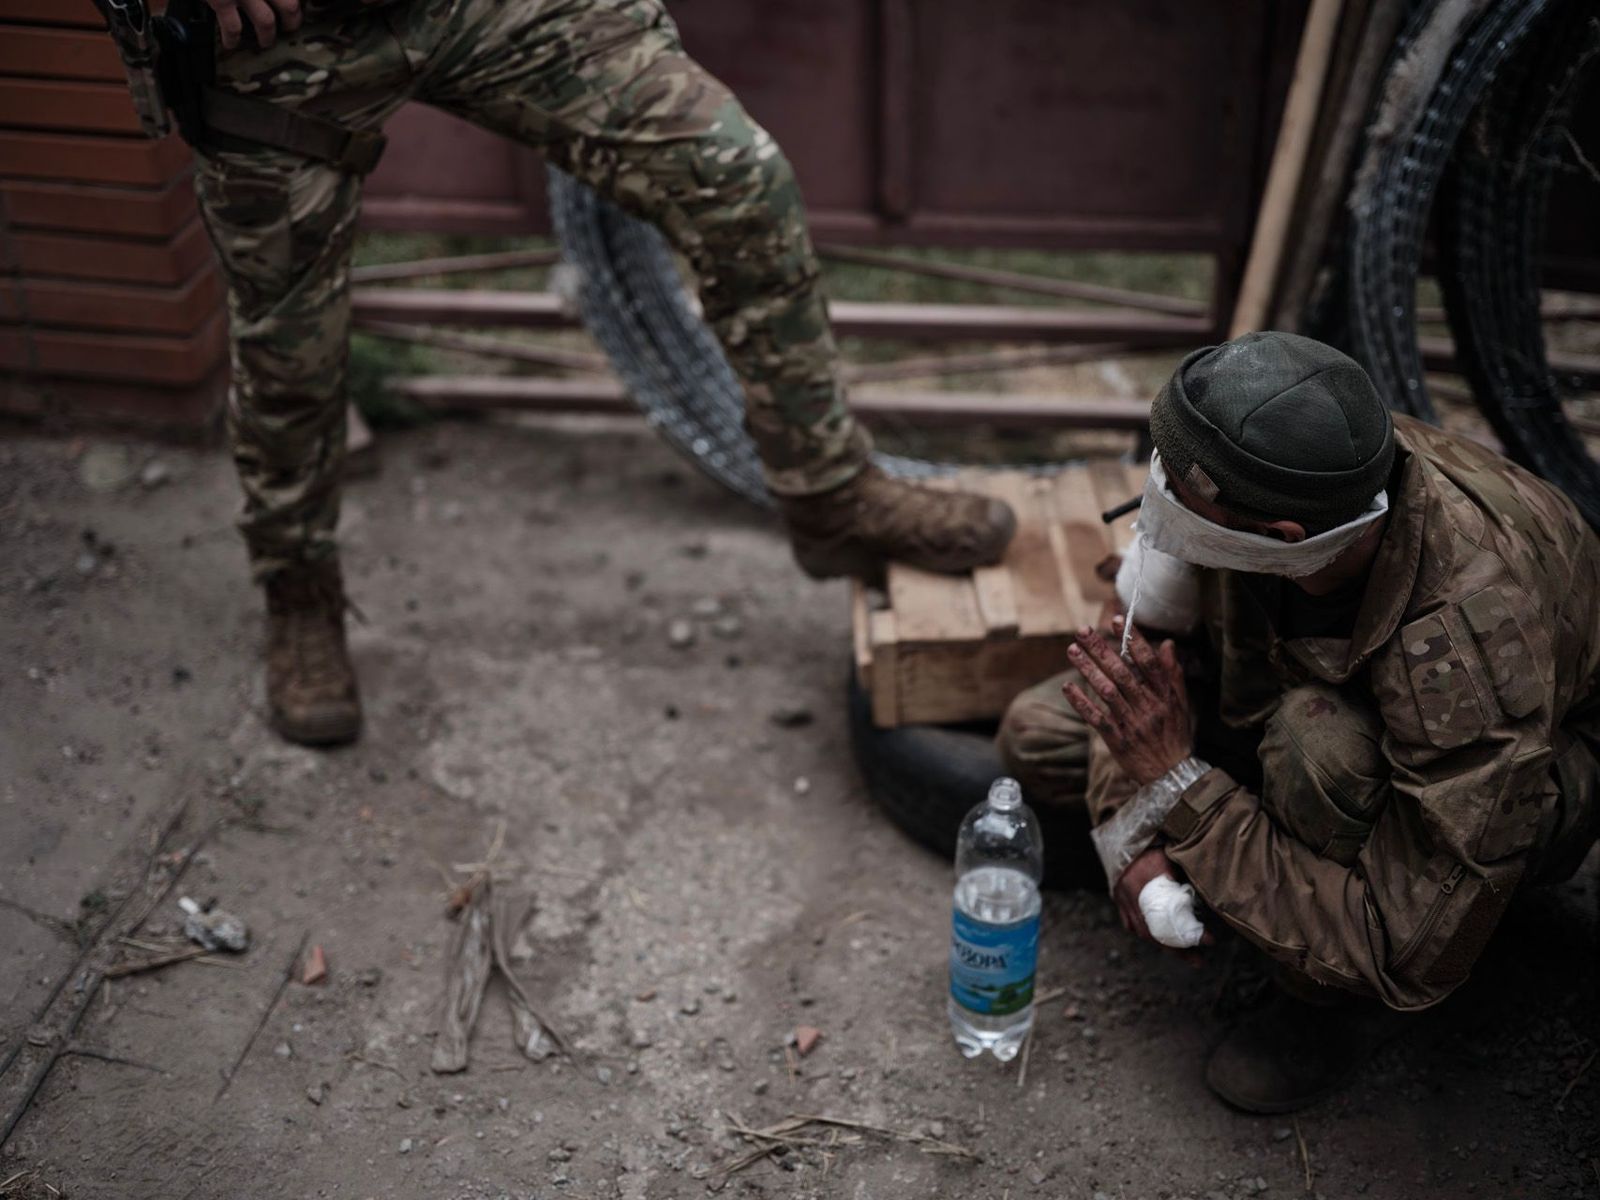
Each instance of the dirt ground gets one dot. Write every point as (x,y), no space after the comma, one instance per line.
(705,879)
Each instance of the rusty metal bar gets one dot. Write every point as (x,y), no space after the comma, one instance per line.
(606,396)
(941,322)
(1570,308)
(1017,281)
(1438,354)
(473,343)
(942,366)
(427,268)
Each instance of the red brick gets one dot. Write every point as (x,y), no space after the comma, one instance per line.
(189,413)
(52,12)
(92,158)
(81,256)
(71,304)
(60,54)
(75,354)
(89,208)
(75,105)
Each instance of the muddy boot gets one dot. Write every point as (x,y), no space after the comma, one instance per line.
(311,687)
(856,529)
(1291,1054)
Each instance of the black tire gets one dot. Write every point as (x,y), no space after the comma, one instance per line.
(926,778)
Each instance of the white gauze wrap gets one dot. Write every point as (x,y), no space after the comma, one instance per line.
(1168,526)
(1166,590)
(1168,908)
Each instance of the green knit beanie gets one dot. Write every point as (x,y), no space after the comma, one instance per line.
(1275,426)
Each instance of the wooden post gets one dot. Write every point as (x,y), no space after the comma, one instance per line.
(1288,166)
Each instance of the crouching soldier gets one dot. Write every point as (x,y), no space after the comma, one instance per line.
(1391,719)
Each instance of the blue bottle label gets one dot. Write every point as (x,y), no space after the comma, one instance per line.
(992,966)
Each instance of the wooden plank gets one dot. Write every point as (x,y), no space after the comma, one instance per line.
(997,603)
(932,607)
(1085,536)
(67,104)
(1064,549)
(1263,266)
(861,634)
(108,211)
(885,665)
(60,54)
(1035,583)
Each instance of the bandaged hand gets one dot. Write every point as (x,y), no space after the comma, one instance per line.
(1140,707)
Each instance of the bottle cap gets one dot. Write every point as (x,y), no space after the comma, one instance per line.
(1005,793)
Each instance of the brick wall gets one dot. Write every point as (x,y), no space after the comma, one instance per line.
(111,307)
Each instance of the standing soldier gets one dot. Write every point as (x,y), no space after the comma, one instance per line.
(1397,702)
(604,89)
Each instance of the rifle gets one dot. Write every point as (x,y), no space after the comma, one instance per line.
(133,30)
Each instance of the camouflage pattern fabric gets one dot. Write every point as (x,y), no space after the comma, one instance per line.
(1415,773)
(604,90)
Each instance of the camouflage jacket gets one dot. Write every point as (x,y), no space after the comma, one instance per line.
(1478,636)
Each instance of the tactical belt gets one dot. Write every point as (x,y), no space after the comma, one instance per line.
(266,124)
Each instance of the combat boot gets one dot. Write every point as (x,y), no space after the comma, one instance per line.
(311,686)
(1290,1054)
(857,528)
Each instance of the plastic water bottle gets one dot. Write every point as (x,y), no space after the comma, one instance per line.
(994,943)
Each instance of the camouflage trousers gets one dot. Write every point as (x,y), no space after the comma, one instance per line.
(604,89)
(1317,763)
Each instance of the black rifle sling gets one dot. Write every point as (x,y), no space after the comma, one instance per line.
(267,124)
(226,119)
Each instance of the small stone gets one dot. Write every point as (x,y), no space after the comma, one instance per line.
(106,468)
(1282,1133)
(690,1006)
(155,473)
(1101,1196)
(802,785)
(603,1074)
(936,1129)
(560,1154)
(405,1145)
(1037,1175)
(760,1087)
(86,563)
(791,716)
(680,634)
(1073,1013)
(728,628)
(804,1039)
(706,608)
(1089,1033)
(283,1050)
(315,1092)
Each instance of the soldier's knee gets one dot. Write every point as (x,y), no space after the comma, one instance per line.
(1325,777)
(1045,744)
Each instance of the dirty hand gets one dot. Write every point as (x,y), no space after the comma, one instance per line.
(1141,708)
(264,15)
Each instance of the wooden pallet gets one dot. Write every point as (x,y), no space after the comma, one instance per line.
(940,649)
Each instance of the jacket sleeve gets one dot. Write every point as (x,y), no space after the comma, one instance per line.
(1409,919)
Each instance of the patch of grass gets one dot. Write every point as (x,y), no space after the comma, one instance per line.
(375,363)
